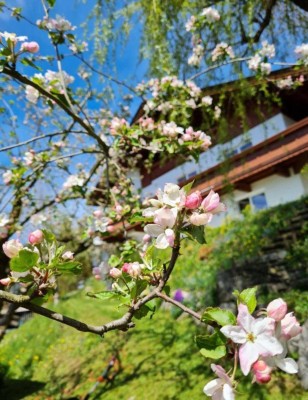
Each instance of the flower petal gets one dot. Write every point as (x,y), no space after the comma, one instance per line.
(235,333)
(268,345)
(248,354)
(211,387)
(244,319)
(287,365)
(227,392)
(153,229)
(162,242)
(263,325)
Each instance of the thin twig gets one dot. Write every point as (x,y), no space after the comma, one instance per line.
(179,305)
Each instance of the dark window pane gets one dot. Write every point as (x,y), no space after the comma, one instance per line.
(259,201)
(243,203)
(246,146)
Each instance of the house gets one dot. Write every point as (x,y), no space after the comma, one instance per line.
(259,164)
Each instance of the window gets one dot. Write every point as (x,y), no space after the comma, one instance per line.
(246,146)
(243,203)
(257,202)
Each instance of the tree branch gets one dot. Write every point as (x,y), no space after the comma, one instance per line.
(179,305)
(16,75)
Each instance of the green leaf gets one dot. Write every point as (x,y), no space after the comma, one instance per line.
(138,288)
(29,63)
(188,186)
(196,233)
(215,354)
(48,236)
(106,295)
(69,266)
(221,317)
(51,2)
(210,342)
(247,297)
(142,312)
(155,258)
(138,218)
(24,261)
(114,261)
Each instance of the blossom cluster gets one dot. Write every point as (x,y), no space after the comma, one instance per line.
(262,347)
(302,53)
(222,50)
(259,62)
(173,207)
(12,39)
(207,15)
(37,264)
(55,24)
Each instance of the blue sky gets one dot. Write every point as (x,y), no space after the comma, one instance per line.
(126,61)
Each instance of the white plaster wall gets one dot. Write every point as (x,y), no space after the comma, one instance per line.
(277,189)
(215,154)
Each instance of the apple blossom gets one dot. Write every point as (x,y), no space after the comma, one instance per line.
(256,337)
(220,388)
(12,247)
(212,204)
(290,327)
(7,177)
(68,255)
(211,14)
(36,237)
(261,372)
(115,273)
(193,200)
(5,281)
(277,309)
(282,362)
(200,219)
(31,47)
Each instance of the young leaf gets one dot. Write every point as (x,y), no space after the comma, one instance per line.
(114,261)
(142,312)
(24,261)
(188,186)
(106,295)
(210,342)
(221,317)
(48,236)
(215,354)
(247,297)
(196,233)
(138,288)
(69,266)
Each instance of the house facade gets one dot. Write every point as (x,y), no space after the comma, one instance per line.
(261,166)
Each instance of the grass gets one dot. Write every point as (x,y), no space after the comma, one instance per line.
(45,360)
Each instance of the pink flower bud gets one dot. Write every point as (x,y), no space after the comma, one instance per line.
(5,281)
(186,137)
(111,228)
(290,326)
(193,201)
(126,268)
(36,237)
(68,255)
(210,202)
(31,47)
(98,213)
(12,247)
(277,309)
(200,219)
(115,273)
(135,270)
(261,371)
(118,208)
(97,277)
(146,238)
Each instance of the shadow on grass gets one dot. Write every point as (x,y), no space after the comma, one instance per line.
(17,389)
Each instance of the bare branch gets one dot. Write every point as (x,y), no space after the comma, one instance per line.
(179,305)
